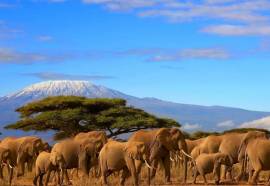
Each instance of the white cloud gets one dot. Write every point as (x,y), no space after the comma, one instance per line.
(260,123)
(226,124)
(188,126)
(61,76)
(229,12)
(120,5)
(163,54)
(44,38)
(9,56)
(238,30)
(6,32)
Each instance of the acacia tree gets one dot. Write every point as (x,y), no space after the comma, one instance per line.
(64,114)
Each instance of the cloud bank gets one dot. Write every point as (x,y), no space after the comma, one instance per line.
(263,123)
(240,17)
(61,76)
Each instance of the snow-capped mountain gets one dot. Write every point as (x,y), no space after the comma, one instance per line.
(192,117)
(64,87)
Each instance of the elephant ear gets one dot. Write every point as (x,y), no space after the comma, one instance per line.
(6,153)
(25,147)
(164,137)
(55,157)
(134,150)
(98,145)
(38,145)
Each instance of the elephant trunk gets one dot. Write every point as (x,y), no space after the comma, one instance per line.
(183,147)
(21,164)
(83,164)
(216,172)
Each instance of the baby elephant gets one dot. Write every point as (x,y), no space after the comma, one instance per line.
(207,163)
(48,161)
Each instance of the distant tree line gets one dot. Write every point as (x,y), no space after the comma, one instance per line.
(202,134)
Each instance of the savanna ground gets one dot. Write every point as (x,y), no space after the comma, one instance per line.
(114,179)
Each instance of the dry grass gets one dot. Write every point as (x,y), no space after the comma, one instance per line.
(176,176)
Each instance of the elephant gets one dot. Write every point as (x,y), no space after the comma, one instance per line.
(23,150)
(207,163)
(98,137)
(76,154)
(159,143)
(228,143)
(256,146)
(5,159)
(191,144)
(116,156)
(48,162)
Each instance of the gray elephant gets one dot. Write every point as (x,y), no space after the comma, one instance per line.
(23,150)
(159,143)
(256,146)
(116,156)
(228,143)
(5,160)
(79,155)
(48,162)
(208,163)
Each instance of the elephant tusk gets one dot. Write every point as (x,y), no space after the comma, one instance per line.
(146,163)
(186,154)
(179,157)
(10,166)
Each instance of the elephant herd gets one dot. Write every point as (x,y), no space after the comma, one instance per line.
(216,154)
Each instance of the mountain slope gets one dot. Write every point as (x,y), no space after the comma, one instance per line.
(203,117)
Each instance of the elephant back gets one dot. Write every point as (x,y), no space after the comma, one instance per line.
(95,136)
(147,137)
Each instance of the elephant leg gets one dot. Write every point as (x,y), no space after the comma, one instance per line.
(153,172)
(224,170)
(41,179)
(204,179)
(20,171)
(67,178)
(242,170)
(138,165)
(132,169)
(124,175)
(48,177)
(166,164)
(30,165)
(36,178)
(250,173)
(104,175)
(254,177)
(1,171)
(229,172)
(195,176)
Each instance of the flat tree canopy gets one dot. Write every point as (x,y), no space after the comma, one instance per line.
(64,114)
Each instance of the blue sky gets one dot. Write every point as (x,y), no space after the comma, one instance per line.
(208,52)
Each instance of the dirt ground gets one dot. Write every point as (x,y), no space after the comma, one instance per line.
(114,179)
